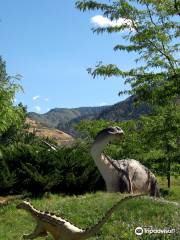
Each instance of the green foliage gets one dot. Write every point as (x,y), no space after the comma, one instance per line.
(90,128)
(7,179)
(161,134)
(151,30)
(16,131)
(150,139)
(36,169)
(9,114)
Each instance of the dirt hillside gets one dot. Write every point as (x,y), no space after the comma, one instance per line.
(41,130)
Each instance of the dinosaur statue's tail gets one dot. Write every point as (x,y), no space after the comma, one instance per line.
(154,188)
(94,229)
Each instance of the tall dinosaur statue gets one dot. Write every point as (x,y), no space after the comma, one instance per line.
(61,229)
(127,175)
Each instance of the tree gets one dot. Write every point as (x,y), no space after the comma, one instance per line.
(152,140)
(151,29)
(16,131)
(161,133)
(9,114)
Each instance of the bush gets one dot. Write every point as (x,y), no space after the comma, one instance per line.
(36,170)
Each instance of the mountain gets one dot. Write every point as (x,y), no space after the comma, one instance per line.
(65,119)
(42,130)
(125,110)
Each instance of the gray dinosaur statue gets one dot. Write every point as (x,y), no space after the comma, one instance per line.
(127,175)
(61,229)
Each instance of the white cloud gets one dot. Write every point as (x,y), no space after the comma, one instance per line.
(15,100)
(46,99)
(102,21)
(37,109)
(103,104)
(35,97)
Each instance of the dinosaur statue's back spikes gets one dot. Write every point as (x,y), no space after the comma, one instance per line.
(62,229)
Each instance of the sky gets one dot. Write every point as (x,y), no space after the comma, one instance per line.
(50,43)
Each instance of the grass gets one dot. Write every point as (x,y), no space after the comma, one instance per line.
(84,211)
(174,192)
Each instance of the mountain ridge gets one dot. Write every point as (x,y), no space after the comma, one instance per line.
(65,118)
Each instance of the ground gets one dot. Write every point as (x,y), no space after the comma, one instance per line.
(85,210)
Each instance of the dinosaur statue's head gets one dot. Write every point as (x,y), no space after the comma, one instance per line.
(24,205)
(109,134)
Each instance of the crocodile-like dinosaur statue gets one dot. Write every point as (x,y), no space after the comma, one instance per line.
(61,229)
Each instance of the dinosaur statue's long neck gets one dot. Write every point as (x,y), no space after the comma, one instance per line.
(97,154)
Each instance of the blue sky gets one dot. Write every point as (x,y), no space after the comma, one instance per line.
(50,43)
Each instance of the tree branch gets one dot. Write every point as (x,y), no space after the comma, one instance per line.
(176,6)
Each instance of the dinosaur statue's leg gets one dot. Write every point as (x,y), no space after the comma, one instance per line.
(112,186)
(125,184)
(130,186)
(154,189)
(108,187)
(38,232)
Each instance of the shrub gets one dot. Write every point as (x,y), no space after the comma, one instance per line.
(36,169)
